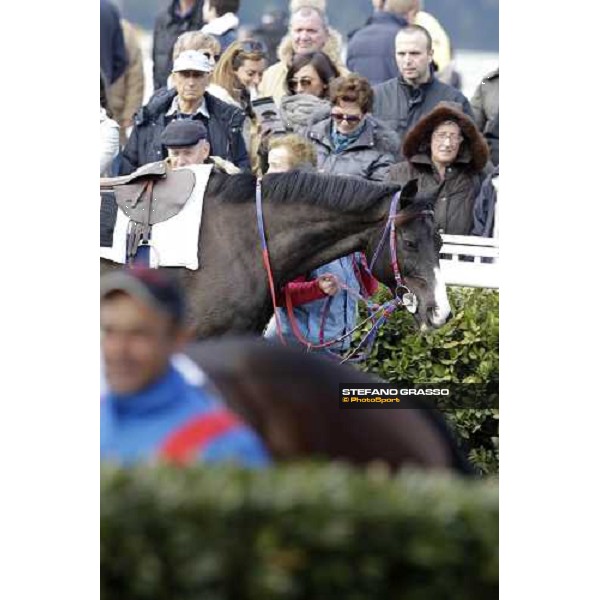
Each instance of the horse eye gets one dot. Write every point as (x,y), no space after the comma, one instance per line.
(409,245)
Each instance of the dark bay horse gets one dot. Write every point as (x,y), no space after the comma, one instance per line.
(291,399)
(310,220)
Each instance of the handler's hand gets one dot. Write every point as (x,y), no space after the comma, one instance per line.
(328,284)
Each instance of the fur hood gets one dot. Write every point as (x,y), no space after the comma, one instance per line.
(333,49)
(376,134)
(474,150)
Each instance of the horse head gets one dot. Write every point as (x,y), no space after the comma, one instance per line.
(418,246)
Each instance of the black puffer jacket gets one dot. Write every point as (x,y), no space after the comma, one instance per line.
(224,132)
(167,28)
(399,106)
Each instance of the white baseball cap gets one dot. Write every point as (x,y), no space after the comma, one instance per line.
(192,60)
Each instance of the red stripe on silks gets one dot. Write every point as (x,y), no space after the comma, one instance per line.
(185,443)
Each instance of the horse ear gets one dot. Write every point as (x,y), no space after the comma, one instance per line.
(408,193)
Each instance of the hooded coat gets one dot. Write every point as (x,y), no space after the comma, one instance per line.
(273,81)
(455,194)
(370,156)
(225,132)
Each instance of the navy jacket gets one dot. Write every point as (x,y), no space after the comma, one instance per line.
(224,132)
(372,49)
(168,27)
(399,106)
(113,55)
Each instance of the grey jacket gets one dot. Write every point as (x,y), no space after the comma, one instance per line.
(369,157)
(485,100)
(299,110)
(399,106)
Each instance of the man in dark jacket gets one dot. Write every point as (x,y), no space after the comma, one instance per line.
(113,55)
(371,50)
(401,102)
(179,17)
(188,99)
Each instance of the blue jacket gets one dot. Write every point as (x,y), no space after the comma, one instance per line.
(113,55)
(372,49)
(176,421)
(227,39)
(341,317)
(224,132)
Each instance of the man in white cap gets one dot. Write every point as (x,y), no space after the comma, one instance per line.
(187,100)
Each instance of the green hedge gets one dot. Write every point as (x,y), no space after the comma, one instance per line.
(463,351)
(302,532)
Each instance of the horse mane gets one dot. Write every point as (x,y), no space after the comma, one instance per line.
(342,193)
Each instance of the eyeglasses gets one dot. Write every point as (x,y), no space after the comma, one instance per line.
(454,138)
(348,118)
(302,82)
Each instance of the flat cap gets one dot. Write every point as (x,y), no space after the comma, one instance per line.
(183,132)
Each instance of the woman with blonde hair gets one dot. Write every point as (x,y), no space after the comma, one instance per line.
(291,152)
(235,81)
(239,72)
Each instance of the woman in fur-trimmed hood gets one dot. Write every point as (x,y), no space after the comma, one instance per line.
(273,83)
(448,156)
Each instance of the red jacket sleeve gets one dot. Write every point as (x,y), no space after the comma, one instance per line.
(301,290)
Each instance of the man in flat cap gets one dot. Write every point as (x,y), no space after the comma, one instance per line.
(153,408)
(186,141)
(187,100)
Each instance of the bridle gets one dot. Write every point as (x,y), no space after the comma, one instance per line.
(394,220)
(378,314)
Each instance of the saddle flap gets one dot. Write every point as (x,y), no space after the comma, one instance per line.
(169,196)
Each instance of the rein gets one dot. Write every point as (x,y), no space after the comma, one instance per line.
(378,314)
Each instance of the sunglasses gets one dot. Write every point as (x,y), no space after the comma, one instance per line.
(302,82)
(210,56)
(348,118)
(253,47)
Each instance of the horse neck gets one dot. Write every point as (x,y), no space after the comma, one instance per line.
(302,239)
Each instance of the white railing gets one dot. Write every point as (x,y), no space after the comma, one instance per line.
(472,272)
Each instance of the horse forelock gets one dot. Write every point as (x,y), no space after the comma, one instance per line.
(346,194)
